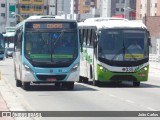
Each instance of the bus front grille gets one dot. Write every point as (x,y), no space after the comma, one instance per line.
(46,77)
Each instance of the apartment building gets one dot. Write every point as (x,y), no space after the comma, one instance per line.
(117,8)
(26,8)
(147,8)
(7,7)
(84,6)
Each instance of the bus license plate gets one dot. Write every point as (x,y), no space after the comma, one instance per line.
(51,79)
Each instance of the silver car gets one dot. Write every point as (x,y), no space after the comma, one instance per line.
(9,52)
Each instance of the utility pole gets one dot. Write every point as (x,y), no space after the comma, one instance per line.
(56,7)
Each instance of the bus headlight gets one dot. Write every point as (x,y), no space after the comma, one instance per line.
(145,68)
(27,68)
(103,68)
(75,67)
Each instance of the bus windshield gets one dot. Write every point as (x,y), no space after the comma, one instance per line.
(123,45)
(51,47)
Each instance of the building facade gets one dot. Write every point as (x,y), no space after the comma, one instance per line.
(26,8)
(117,8)
(147,8)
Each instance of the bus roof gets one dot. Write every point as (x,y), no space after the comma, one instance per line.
(38,18)
(48,18)
(111,23)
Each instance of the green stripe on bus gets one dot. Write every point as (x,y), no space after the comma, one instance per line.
(49,56)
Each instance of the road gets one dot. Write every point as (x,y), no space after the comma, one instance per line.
(86,97)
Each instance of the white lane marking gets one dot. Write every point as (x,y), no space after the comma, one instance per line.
(129,101)
(111,95)
(152,109)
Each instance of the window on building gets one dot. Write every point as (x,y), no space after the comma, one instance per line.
(122,9)
(3,5)
(140,15)
(117,9)
(37,0)
(3,14)
(121,1)
(26,0)
(155,5)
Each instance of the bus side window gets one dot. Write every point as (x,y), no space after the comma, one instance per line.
(18,42)
(93,38)
(81,39)
(85,37)
(88,37)
(15,41)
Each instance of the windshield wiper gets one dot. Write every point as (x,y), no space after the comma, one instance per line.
(117,53)
(55,43)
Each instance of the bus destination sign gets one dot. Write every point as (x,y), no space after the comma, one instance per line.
(37,26)
(51,25)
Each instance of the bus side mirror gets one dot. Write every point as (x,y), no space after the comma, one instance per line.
(149,42)
(149,39)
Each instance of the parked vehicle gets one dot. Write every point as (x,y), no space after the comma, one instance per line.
(9,52)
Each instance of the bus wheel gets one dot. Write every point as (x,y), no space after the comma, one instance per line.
(26,85)
(136,84)
(96,82)
(69,85)
(80,79)
(18,83)
(85,80)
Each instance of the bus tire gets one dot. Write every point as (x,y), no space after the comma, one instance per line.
(26,85)
(18,83)
(69,85)
(80,79)
(136,84)
(96,82)
(85,80)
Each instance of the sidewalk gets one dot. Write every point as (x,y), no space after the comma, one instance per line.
(10,100)
(155,65)
(3,104)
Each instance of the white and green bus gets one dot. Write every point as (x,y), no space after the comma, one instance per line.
(114,50)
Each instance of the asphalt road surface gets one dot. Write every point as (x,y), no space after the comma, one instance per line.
(86,97)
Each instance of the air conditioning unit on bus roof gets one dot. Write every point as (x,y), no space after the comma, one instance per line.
(99,19)
(44,17)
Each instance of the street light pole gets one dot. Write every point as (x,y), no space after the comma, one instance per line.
(124,12)
(21,18)
(56,7)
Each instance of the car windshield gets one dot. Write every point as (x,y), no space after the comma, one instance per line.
(51,47)
(10,49)
(123,45)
